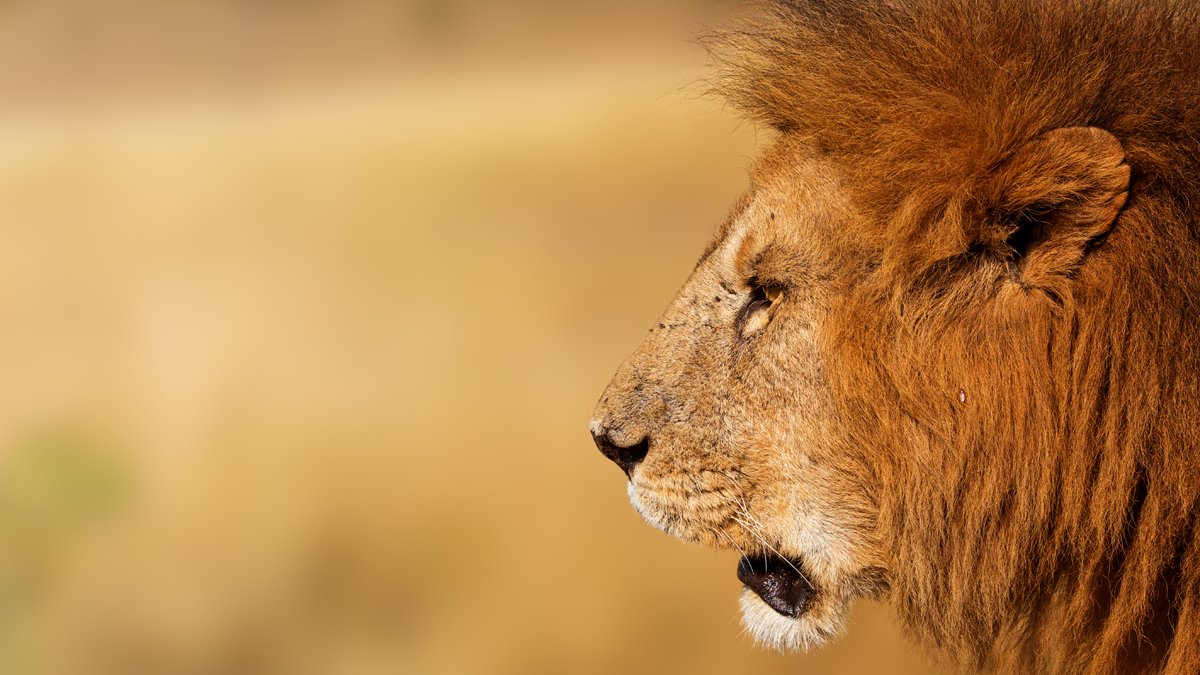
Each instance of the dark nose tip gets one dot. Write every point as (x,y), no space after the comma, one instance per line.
(625,457)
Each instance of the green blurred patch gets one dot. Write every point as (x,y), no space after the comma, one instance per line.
(55,480)
(55,484)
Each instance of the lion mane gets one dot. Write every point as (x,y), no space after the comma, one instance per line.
(1042,514)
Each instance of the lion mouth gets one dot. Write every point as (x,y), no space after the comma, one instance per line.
(778,581)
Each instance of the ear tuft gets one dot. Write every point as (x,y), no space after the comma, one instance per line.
(1053,197)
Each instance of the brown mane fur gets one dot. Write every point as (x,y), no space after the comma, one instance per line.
(1040,461)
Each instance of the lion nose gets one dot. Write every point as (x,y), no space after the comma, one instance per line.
(625,457)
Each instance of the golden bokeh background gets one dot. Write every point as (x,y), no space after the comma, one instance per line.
(305,308)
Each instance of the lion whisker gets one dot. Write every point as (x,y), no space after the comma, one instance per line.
(730,539)
(753,528)
(770,548)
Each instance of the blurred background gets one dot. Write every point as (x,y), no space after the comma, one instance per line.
(305,306)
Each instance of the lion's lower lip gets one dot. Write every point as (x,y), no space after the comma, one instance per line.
(778,581)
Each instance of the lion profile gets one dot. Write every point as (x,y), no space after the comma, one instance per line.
(946,350)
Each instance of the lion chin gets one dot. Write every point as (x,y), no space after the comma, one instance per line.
(816,626)
(783,607)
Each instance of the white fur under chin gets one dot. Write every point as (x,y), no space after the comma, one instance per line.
(771,629)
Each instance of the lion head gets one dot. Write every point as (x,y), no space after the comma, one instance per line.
(946,349)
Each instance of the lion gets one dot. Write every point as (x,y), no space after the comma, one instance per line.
(945,352)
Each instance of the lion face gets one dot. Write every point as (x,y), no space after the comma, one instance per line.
(723,419)
(804,400)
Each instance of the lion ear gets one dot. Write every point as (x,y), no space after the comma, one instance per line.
(1052,198)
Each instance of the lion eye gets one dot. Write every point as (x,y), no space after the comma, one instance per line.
(765,295)
(762,297)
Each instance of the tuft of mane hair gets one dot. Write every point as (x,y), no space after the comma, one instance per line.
(1050,525)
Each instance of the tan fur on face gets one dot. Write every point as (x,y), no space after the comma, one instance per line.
(737,408)
(979,392)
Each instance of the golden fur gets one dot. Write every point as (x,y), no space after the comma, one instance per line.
(979,394)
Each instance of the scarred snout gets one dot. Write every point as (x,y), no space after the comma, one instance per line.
(631,413)
(646,395)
